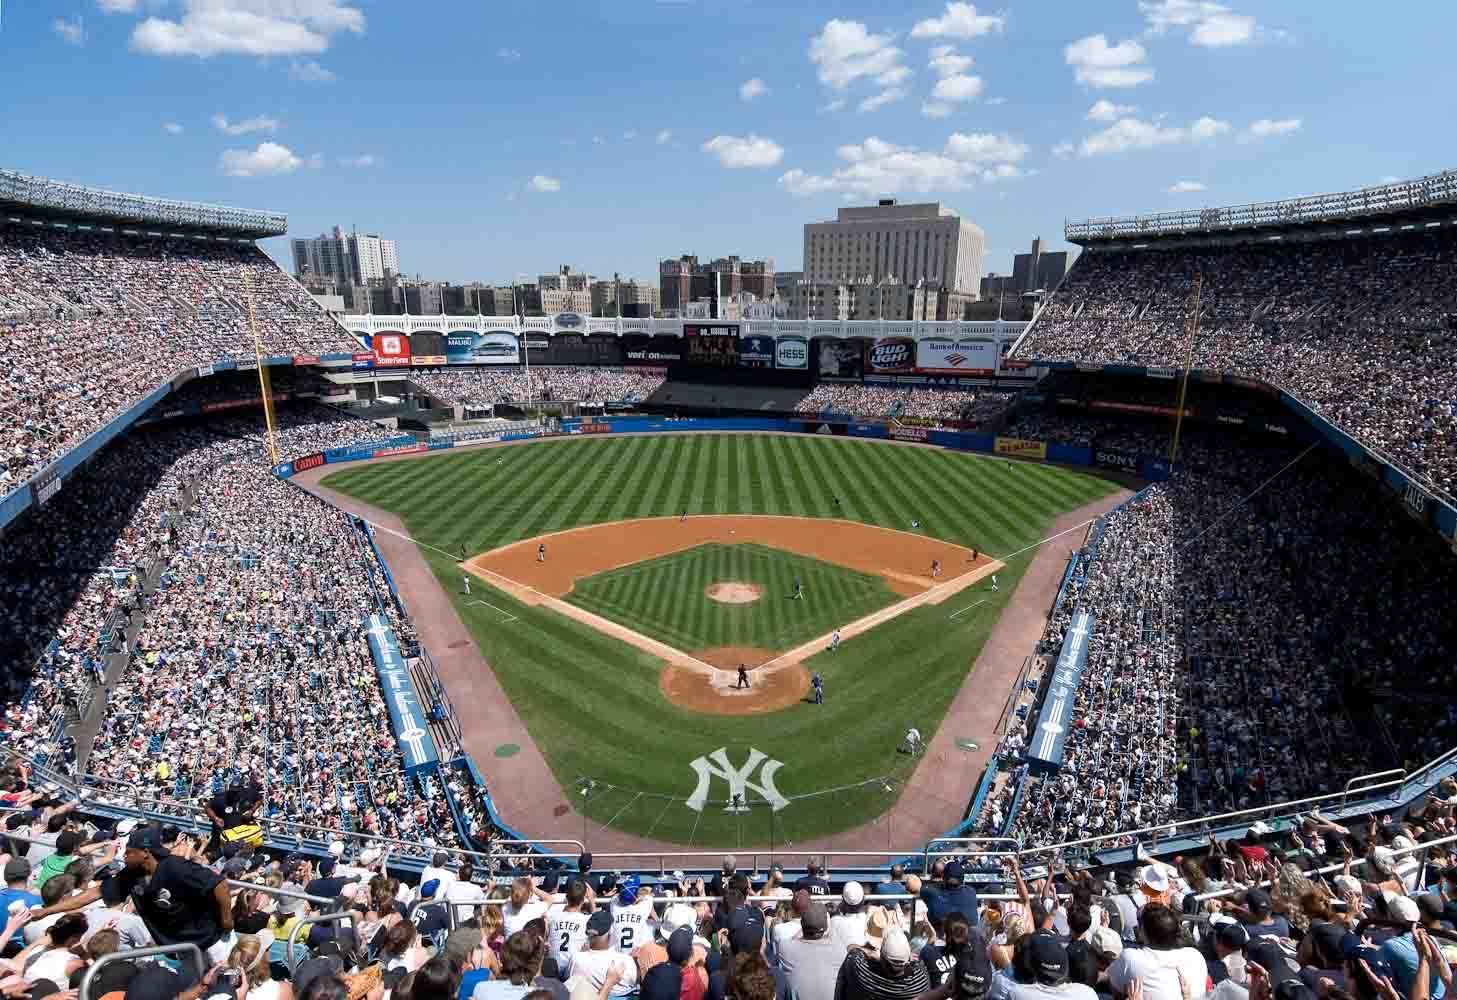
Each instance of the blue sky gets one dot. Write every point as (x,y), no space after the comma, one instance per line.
(501,138)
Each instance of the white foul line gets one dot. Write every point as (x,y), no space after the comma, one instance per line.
(966,609)
(509,617)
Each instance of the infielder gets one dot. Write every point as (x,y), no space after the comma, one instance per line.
(541,552)
(817,683)
(935,568)
(974,554)
(994,583)
(465,580)
(834,640)
(743,680)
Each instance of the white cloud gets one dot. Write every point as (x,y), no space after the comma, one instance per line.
(957,88)
(1107,111)
(1184,187)
(751,151)
(597,140)
(117,6)
(362,160)
(752,88)
(543,183)
(960,21)
(248,27)
(876,167)
(935,109)
(946,61)
(877,101)
(845,51)
(1134,133)
(838,104)
(629,135)
(1212,25)
(1063,150)
(269,159)
(508,55)
(1095,63)
(172,128)
(315,162)
(1264,128)
(664,137)
(259,123)
(310,72)
(70,30)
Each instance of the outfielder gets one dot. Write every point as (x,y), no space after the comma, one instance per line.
(541,552)
(817,683)
(465,580)
(798,590)
(994,583)
(834,640)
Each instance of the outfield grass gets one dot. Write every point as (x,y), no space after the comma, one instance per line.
(664,598)
(593,704)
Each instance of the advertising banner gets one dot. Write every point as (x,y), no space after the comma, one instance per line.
(1164,373)
(659,351)
(891,354)
(1109,458)
(712,345)
(363,362)
(792,353)
(822,427)
(1012,364)
(967,356)
(429,343)
(1150,408)
(305,359)
(1020,448)
(840,360)
(404,449)
(901,433)
(204,370)
(756,351)
(498,347)
(1044,749)
(407,715)
(391,350)
(569,322)
(428,360)
(308,462)
(596,428)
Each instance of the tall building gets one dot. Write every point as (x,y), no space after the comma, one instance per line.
(624,297)
(683,280)
(1037,270)
(919,242)
(758,278)
(345,258)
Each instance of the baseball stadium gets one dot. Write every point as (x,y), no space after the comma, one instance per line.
(1158,576)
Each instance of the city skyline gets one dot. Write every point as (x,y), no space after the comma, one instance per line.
(486,161)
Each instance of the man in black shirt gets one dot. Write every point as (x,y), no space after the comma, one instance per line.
(233,806)
(814,882)
(328,884)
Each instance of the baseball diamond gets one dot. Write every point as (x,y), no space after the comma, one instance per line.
(626,724)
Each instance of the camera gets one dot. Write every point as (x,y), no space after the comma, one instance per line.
(227,981)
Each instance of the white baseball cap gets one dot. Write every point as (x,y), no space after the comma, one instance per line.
(853,894)
(337,848)
(675,916)
(1154,878)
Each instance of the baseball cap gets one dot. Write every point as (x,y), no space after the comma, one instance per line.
(746,935)
(1431,905)
(327,865)
(680,945)
(1108,943)
(1154,879)
(125,827)
(144,838)
(627,891)
(1048,959)
(336,849)
(549,881)
(664,981)
(313,968)
(678,916)
(1347,883)
(17,869)
(599,923)
(429,889)
(816,918)
(154,982)
(953,872)
(853,894)
(1402,908)
(1257,901)
(1231,934)
(896,947)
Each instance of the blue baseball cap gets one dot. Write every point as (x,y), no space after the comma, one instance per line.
(627,891)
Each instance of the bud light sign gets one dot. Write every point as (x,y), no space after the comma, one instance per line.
(891,354)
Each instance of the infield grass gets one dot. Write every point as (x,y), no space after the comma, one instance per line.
(593,704)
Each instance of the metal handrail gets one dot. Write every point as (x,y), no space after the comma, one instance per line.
(323,918)
(186,948)
(1396,852)
(280,892)
(1400,773)
(926,855)
(1432,765)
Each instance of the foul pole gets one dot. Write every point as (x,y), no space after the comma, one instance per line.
(1188,362)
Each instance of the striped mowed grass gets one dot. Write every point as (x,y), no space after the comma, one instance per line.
(593,704)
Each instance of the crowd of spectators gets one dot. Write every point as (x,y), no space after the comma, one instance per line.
(1362,329)
(483,386)
(1314,598)
(962,407)
(91,322)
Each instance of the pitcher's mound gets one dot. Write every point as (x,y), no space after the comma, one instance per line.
(771,692)
(734,593)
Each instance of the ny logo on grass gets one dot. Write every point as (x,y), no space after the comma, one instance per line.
(717,764)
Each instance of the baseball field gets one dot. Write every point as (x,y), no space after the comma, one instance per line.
(616,585)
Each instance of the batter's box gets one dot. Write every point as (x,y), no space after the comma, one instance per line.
(509,617)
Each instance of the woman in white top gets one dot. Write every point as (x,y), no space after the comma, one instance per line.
(250,958)
(52,958)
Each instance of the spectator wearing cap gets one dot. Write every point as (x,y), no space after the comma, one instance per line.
(1227,940)
(1168,969)
(664,981)
(811,962)
(1261,920)
(180,901)
(940,953)
(951,895)
(847,926)
(1402,950)
(329,884)
(288,910)
(775,889)
(893,974)
(594,962)
(684,952)
(17,880)
(896,884)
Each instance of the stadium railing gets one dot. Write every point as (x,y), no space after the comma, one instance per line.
(188,949)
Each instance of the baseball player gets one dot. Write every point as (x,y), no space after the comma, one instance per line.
(632,916)
(465,580)
(541,552)
(462,552)
(913,741)
(683,516)
(974,554)
(798,589)
(817,683)
(743,680)
(935,568)
(994,583)
(916,524)
(834,640)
